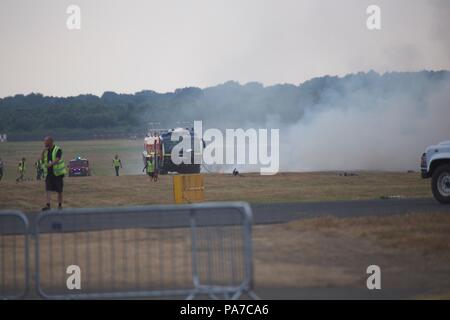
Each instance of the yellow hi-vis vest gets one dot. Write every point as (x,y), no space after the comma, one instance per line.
(59,168)
(116,162)
(21,166)
(150,167)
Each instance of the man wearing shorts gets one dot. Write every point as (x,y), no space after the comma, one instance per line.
(54,171)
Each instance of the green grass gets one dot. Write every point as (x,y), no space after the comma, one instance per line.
(99,152)
(134,188)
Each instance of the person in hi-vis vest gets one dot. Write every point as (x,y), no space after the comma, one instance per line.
(117,164)
(150,168)
(54,171)
(38,165)
(21,170)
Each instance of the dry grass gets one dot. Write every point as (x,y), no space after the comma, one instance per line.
(126,259)
(103,189)
(99,152)
(284,187)
(413,252)
(315,186)
(427,232)
(123,259)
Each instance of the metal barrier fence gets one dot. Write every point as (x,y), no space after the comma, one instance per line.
(156,251)
(14,279)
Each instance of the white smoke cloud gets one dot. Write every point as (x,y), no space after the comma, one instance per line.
(390,135)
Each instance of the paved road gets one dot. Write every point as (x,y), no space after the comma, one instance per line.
(262,214)
(285,212)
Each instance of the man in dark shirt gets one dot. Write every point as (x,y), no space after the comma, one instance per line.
(54,169)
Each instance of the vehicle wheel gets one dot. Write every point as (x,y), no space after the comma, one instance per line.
(440,183)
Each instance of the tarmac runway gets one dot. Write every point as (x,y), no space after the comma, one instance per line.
(268,213)
(285,212)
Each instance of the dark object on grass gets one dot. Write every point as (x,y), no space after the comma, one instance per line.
(348,174)
(236,173)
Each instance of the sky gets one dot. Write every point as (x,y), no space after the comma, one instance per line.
(133,45)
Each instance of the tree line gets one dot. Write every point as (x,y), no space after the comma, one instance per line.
(229,105)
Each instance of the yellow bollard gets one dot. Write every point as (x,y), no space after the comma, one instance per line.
(188,188)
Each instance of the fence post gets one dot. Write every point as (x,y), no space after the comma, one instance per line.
(13,224)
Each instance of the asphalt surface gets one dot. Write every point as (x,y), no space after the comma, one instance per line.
(285,212)
(268,213)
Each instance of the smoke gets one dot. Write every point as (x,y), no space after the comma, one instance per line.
(364,121)
(383,124)
(390,135)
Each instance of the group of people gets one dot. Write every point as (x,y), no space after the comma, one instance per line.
(52,167)
(151,166)
(21,169)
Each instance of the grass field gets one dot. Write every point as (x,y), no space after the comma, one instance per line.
(99,152)
(134,188)
(284,187)
(412,250)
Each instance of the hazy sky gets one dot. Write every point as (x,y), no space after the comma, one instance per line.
(131,45)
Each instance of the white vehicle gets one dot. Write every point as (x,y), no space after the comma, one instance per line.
(435,164)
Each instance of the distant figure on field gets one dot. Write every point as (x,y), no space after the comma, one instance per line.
(237,173)
(1,169)
(150,168)
(21,170)
(39,169)
(54,171)
(155,168)
(117,163)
